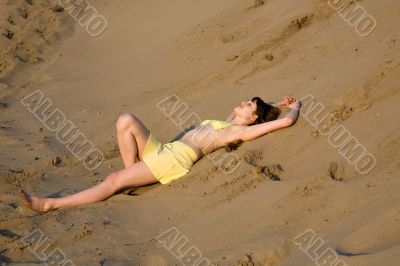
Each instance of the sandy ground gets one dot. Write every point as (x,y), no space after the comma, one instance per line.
(211,54)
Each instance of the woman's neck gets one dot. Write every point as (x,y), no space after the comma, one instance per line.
(239,121)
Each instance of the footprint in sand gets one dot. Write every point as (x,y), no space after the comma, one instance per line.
(84,233)
(254,157)
(300,23)
(247,178)
(23,12)
(9,34)
(356,99)
(31,28)
(337,171)
(271,255)
(3,105)
(258,3)
(11,20)
(248,260)
(269,46)
(9,234)
(227,38)
(58,9)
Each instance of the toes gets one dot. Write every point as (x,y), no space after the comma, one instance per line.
(25,198)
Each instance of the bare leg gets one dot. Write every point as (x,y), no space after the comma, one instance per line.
(136,175)
(132,136)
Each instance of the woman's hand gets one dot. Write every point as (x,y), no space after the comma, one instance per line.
(284,102)
(287,101)
(294,104)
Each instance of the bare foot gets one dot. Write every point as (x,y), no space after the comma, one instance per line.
(34,203)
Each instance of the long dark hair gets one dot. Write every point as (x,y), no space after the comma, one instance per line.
(265,112)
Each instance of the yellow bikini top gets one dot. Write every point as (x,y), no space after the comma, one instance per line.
(217,124)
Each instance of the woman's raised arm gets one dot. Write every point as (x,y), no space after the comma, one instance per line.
(255,131)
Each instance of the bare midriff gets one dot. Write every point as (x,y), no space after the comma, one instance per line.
(202,139)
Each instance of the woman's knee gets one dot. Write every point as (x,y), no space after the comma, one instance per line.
(125,121)
(112,181)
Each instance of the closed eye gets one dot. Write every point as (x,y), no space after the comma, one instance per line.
(250,103)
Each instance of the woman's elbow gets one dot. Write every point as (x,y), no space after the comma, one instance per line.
(290,121)
(287,122)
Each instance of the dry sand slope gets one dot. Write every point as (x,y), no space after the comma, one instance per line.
(212,54)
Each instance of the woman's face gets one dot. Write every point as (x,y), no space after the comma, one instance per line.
(246,109)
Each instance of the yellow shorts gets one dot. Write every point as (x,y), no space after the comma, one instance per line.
(169,161)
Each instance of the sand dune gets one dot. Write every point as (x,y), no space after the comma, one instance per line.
(211,54)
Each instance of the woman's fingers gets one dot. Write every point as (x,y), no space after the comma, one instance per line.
(295,103)
(290,101)
(287,100)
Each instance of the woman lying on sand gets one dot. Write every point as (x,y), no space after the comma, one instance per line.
(149,161)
